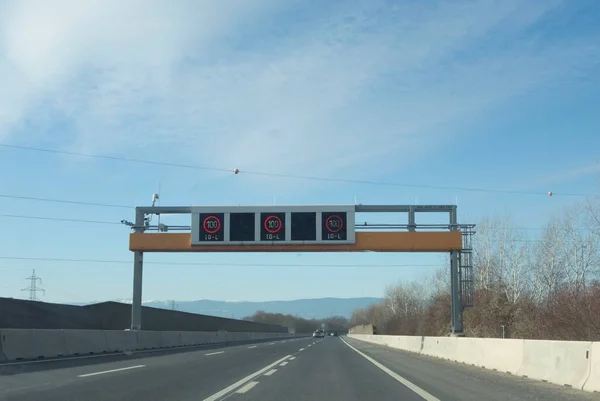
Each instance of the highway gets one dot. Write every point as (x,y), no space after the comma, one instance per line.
(334,368)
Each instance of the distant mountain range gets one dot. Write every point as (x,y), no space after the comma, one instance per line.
(317,308)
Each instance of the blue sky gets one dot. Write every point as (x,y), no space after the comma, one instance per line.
(479,94)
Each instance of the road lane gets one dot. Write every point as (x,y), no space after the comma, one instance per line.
(334,371)
(451,381)
(328,370)
(289,370)
(182,376)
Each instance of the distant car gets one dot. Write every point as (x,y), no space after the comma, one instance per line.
(318,334)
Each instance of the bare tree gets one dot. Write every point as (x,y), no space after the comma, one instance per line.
(515,257)
(359,316)
(485,255)
(390,299)
(440,281)
(592,208)
(548,267)
(548,288)
(502,258)
(580,247)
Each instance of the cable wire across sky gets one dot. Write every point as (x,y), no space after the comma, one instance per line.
(20,216)
(291,176)
(129,262)
(72,202)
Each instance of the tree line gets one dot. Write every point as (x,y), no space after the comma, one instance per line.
(301,325)
(542,288)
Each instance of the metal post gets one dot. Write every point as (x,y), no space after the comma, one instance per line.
(457,309)
(457,305)
(453,219)
(411,219)
(138,271)
(136,304)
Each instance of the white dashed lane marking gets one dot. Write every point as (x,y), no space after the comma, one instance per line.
(247,388)
(111,371)
(242,382)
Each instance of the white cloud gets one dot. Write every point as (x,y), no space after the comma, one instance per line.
(243,84)
(571,174)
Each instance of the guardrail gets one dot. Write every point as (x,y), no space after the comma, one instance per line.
(31,344)
(571,363)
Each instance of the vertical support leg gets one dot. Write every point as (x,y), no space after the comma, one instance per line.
(411,219)
(457,307)
(457,304)
(136,304)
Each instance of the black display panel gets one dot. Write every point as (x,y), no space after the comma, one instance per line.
(304,226)
(212,227)
(333,226)
(272,226)
(241,226)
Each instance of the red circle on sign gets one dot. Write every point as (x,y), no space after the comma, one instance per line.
(211,230)
(337,218)
(271,230)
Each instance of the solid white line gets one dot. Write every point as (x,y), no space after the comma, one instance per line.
(254,346)
(424,394)
(243,381)
(247,388)
(215,353)
(292,358)
(111,371)
(283,363)
(301,349)
(270,372)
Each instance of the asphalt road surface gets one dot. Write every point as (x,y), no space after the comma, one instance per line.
(333,368)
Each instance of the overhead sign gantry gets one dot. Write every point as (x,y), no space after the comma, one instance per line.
(272,225)
(305,228)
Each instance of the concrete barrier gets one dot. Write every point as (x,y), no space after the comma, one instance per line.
(119,341)
(363,329)
(560,362)
(201,337)
(32,344)
(572,363)
(29,344)
(82,342)
(593,381)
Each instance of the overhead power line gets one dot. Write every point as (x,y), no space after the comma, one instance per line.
(72,202)
(293,176)
(115,158)
(17,216)
(129,262)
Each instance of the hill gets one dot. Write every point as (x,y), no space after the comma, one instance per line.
(316,308)
(24,314)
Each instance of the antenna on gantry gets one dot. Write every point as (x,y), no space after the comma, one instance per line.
(156,200)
